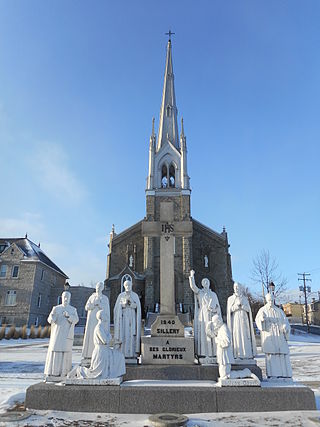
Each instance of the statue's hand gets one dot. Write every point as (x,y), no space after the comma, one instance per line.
(192,272)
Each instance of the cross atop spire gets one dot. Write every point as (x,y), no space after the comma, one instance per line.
(169,33)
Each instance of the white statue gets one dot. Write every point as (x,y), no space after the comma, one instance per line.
(97,301)
(206,305)
(219,331)
(240,324)
(62,318)
(130,261)
(106,362)
(275,332)
(127,321)
(206,261)
(164,182)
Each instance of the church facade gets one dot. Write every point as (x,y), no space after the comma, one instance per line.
(136,253)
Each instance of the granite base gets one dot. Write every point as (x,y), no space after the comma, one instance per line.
(152,400)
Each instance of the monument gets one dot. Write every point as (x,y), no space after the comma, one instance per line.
(167,342)
(157,256)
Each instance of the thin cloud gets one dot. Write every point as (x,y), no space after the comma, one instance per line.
(27,222)
(55,175)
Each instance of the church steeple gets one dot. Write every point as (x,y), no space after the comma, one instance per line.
(168,126)
(168,153)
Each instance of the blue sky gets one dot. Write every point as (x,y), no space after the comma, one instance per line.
(80,82)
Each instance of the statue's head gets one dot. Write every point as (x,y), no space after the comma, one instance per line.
(237,289)
(66,297)
(101,315)
(205,283)
(99,287)
(269,300)
(127,285)
(217,322)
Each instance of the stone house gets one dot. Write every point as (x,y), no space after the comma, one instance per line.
(294,311)
(136,253)
(30,283)
(79,296)
(313,312)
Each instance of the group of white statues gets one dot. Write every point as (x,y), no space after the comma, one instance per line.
(105,357)
(234,342)
(100,360)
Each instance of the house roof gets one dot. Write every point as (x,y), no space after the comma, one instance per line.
(32,252)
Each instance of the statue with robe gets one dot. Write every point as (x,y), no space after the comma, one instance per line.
(219,331)
(62,318)
(106,362)
(127,321)
(240,324)
(97,301)
(275,332)
(206,306)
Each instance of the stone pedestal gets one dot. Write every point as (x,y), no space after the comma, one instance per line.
(167,343)
(165,350)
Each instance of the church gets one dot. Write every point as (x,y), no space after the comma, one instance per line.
(135,252)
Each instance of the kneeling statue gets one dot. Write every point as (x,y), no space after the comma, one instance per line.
(106,363)
(219,331)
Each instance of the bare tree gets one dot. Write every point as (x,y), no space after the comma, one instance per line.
(266,270)
(255,300)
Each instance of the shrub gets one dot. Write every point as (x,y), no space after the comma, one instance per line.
(17,333)
(2,332)
(24,332)
(10,332)
(39,331)
(32,333)
(44,332)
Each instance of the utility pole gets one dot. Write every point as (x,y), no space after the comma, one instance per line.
(304,289)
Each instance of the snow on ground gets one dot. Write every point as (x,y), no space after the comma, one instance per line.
(22,364)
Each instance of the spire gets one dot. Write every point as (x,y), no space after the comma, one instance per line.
(151,158)
(168,126)
(182,129)
(184,170)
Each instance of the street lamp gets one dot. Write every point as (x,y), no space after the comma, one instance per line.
(271,288)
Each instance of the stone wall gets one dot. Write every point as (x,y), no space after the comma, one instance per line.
(34,279)
(22,285)
(206,242)
(79,297)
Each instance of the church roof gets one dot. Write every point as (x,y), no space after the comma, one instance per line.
(31,252)
(220,236)
(168,126)
(128,270)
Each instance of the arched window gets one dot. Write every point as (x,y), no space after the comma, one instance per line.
(172,176)
(164,177)
(168,110)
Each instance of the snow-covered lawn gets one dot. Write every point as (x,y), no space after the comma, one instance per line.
(22,364)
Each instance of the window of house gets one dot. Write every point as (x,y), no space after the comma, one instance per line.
(11,298)
(42,274)
(36,321)
(39,300)
(3,270)
(15,271)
